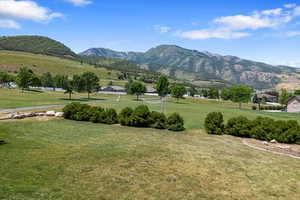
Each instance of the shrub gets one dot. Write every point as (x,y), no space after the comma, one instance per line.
(159,120)
(76,111)
(214,123)
(97,115)
(111,116)
(239,126)
(125,116)
(262,128)
(70,110)
(175,122)
(141,117)
(82,113)
(254,107)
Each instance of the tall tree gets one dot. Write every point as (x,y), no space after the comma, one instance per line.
(5,78)
(137,88)
(47,80)
(91,82)
(162,86)
(225,94)
(241,94)
(178,91)
(24,78)
(192,91)
(68,86)
(284,97)
(256,100)
(213,93)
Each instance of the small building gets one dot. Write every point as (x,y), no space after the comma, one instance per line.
(150,89)
(293,105)
(267,97)
(112,88)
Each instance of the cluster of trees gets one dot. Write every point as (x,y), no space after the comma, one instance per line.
(163,88)
(141,116)
(262,128)
(86,82)
(254,107)
(6,78)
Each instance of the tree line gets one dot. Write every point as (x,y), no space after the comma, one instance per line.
(26,78)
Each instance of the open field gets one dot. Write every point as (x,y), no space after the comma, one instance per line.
(60,159)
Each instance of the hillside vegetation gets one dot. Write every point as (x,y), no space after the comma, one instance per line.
(194,65)
(11,61)
(37,45)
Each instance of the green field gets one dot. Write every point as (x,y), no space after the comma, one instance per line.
(11,61)
(61,159)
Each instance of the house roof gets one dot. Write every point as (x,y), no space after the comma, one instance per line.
(297,97)
(113,88)
(265,95)
(150,89)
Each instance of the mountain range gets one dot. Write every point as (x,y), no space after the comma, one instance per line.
(193,65)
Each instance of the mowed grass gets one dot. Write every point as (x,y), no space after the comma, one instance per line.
(60,159)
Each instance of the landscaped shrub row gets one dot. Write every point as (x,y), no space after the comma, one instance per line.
(269,107)
(138,117)
(262,128)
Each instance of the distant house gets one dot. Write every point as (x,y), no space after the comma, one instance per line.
(113,89)
(293,105)
(267,97)
(151,89)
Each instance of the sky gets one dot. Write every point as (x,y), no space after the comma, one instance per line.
(260,30)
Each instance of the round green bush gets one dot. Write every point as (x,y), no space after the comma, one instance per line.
(239,126)
(214,123)
(125,116)
(97,115)
(159,120)
(111,116)
(141,117)
(175,122)
(70,110)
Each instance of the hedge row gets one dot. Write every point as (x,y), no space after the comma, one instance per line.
(138,117)
(262,128)
(269,107)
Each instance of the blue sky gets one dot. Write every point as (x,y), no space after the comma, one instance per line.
(266,30)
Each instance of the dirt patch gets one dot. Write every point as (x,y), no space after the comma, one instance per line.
(292,150)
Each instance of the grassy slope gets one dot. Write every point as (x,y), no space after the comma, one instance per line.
(61,159)
(11,61)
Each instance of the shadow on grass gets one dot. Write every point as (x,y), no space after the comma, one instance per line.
(33,90)
(2,142)
(82,99)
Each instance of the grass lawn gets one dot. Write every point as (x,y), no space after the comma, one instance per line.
(60,159)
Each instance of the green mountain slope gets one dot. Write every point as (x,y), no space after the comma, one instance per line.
(37,45)
(194,65)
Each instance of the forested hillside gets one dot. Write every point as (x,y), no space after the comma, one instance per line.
(37,45)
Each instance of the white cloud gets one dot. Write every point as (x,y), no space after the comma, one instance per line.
(79,2)
(221,33)
(297,11)
(26,9)
(10,24)
(238,26)
(291,5)
(276,11)
(293,33)
(161,29)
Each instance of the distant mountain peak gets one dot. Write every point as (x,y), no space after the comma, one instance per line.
(193,65)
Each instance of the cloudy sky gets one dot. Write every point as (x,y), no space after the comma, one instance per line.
(266,30)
